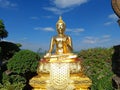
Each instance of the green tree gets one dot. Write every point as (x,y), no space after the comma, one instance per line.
(19,45)
(97,64)
(0,57)
(3,31)
(23,62)
(8,86)
(7,50)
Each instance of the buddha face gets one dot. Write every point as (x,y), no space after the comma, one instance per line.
(60,28)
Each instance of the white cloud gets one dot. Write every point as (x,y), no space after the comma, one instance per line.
(75,30)
(57,10)
(45,29)
(54,10)
(63,6)
(108,23)
(24,39)
(34,18)
(78,30)
(68,3)
(6,4)
(104,40)
(47,16)
(113,16)
(33,46)
(96,40)
(90,40)
(38,18)
(106,36)
(27,44)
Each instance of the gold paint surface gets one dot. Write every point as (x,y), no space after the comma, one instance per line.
(61,42)
(61,70)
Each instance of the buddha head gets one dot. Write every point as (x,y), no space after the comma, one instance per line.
(60,26)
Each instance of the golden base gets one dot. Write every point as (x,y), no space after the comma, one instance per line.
(39,82)
(76,79)
(79,82)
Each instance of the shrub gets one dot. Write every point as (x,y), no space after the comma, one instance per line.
(23,61)
(23,66)
(97,64)
(15,86)
(12,78)
(8,49)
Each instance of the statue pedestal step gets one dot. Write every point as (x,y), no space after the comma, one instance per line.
(60,76)
(79,83)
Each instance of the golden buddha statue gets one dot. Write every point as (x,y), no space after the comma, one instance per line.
(63,42)
(63,45)
(61,70)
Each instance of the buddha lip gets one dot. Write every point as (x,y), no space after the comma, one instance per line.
(60,28)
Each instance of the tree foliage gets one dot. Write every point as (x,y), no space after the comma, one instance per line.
(8,49)
(9,86)
(97,64)
(19,45)
(3,31)
(0,57)
(23,61)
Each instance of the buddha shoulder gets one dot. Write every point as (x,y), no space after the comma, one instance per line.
(61,37)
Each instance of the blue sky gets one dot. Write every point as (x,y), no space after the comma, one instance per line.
(90,23)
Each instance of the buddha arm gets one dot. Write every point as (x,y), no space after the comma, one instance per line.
(69,44)
(51,45)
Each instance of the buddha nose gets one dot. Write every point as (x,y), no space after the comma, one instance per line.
(60,27)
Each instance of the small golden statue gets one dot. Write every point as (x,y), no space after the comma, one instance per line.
(62,69)
(63,45)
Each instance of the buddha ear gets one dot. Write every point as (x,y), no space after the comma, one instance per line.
(64,26)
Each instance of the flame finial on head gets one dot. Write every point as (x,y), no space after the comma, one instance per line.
(60,17)
(60,21)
